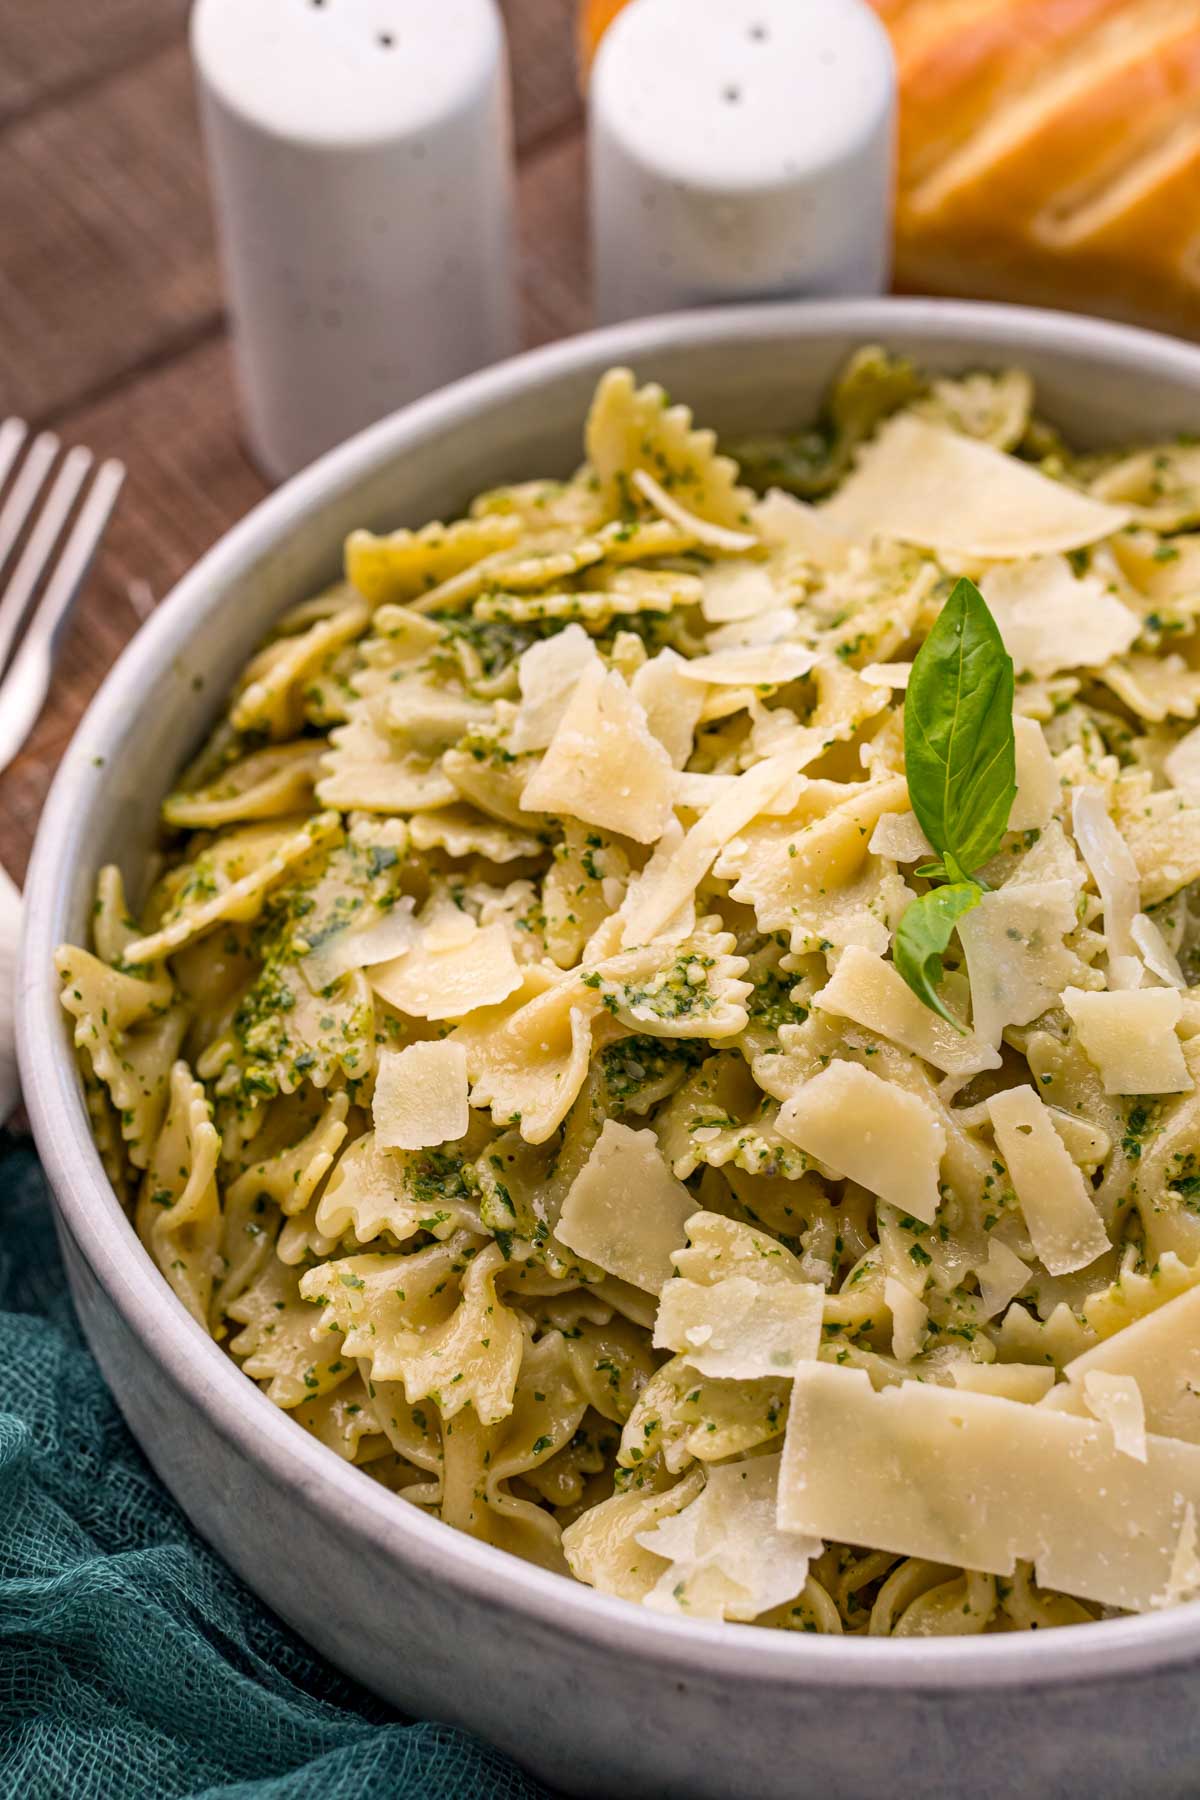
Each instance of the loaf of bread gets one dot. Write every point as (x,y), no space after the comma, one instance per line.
(1049,151)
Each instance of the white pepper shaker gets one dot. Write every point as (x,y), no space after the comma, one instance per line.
(362,172)
(740,149)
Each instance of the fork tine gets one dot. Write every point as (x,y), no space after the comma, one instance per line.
(25,490)
(24,687)
(35,559)
(13,433)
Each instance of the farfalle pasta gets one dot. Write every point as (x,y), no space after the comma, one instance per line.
(570,1060)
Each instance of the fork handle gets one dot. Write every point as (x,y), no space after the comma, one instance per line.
(25,685)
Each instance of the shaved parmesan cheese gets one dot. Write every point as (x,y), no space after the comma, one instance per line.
(672,704)
(977,1482)
(1130,1037)
(739,1307)
(548,674)
(771,627)
(450,979)
(445,926)
(740,1329)
(1115,873)
(697,792)
(1161,1354)
(602,1545)
(726,1556)
(625,1211)
(1051,619)
(924,485)
(872,1132)
(910,1317)
(898,836)
(792,524)
(1086,1144)
(720,537)
(768,666)
(1116,1401)
(603,765)
(888,675)
(1155,952)
(1182,766)
(1016,959)
(737,591)
(390,936)
(1060,1212)
(1183,1583)
(1000,1278)
(1038,789)
(1026,1382)
(420,1096)
(873,993)
(656,899)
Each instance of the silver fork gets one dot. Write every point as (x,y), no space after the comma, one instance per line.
(46,576)
(54,559)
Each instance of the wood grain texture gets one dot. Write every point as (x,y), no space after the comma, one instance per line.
(56,48)
(107,257)
(110,302)
(541,44)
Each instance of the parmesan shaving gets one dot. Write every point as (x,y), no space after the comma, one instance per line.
(1038,790)
(864,1128)
(1114,871)
(390,936)
(979,1482)
(727,1557)
(1116,1401)
(888,675)
(1051,619)
(449,979)
(1001,1278)
(603,765)
(1155,952)
(769,666)
(791,524)
(654,901)
(1183,1583)
(548,674)
(625,1211)
(672,704)
(1016,959)
(898,836)
(1161,1354)
(872,993)
(737,591)
(1064,1226)
(1130,1037)
(739,1307)
(927,486)
(420,1096)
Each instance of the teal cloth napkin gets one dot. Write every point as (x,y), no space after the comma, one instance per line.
(133,1664)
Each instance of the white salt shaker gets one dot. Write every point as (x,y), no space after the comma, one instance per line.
(362,172)
(740,149)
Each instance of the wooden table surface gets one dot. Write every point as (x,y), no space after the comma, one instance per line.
(112,328)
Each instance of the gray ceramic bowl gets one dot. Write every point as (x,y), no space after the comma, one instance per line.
(597,1696)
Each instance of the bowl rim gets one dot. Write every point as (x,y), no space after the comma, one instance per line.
(234,1406)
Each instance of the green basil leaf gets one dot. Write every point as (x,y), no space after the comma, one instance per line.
(921,939)
(959,744)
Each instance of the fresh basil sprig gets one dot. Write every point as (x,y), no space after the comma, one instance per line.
(960,755)
(958,733)
(923,935)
